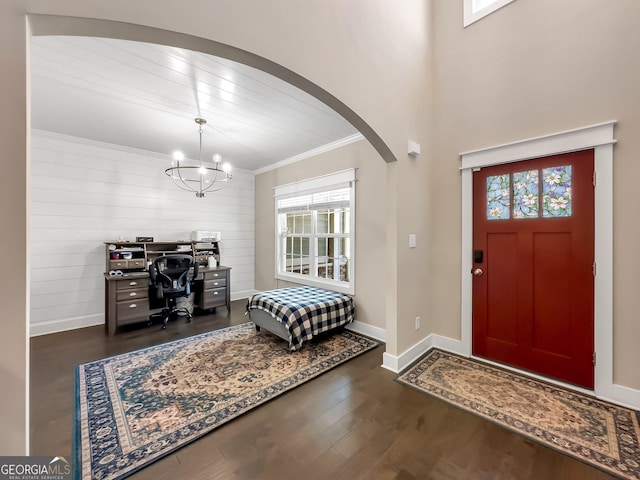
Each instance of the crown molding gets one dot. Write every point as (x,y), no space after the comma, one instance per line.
(311,153)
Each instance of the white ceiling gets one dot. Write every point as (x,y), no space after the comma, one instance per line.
(146,96)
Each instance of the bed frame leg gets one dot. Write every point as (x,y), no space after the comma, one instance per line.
(257,328)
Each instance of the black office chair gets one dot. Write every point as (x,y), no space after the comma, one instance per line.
(170,276)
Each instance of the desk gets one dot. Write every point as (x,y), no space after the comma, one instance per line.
(129,299)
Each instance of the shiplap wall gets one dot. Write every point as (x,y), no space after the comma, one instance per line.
(84,193)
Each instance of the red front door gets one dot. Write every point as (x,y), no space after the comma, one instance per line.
(533,265)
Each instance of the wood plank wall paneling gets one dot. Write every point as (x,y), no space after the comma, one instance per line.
(84,193)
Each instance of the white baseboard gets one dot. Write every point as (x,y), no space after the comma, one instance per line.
(402,361)
(64,324)
(376,333)
(242,294)
(621,395)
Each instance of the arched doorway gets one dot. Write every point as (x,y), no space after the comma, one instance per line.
(57,25)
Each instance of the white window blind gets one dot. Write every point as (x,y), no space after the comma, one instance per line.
(340,198)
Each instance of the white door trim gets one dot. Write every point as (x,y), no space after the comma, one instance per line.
(599,138)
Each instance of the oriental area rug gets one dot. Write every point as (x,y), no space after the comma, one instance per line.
(135,408)
(598,433)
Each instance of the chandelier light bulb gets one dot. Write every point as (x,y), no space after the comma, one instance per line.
(202,170)
(217,158)
(178,156)
(226,168)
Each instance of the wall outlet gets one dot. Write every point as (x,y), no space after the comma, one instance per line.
(418,322)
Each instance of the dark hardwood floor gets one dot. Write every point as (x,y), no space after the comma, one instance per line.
(354,422)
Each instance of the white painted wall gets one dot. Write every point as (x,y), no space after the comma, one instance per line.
(85,193)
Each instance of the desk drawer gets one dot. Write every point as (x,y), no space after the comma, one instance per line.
(132,311)
(117,264)
(124,264)
(210,284)
(123,295)
(215,297)
(132,283)
(217,275)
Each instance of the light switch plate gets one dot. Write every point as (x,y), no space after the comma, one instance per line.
(412,240)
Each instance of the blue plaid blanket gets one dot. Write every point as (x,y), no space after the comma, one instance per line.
(304,311)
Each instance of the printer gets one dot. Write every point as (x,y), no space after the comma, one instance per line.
(205,236)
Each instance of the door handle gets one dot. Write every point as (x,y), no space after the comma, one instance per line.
(477,272)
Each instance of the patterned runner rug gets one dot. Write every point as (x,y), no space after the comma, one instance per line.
(135,408)
(595,432)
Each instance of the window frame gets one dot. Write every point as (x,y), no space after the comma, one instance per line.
(333,181)
(471,15)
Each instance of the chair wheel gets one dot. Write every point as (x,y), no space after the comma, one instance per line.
(163,327)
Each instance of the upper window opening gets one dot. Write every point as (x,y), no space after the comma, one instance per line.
(474,10)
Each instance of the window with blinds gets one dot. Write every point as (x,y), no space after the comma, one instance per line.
(315,226)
